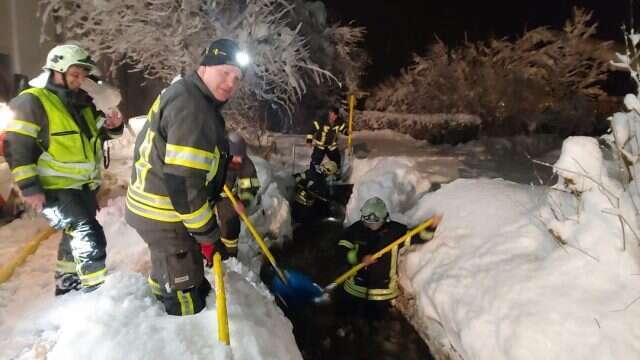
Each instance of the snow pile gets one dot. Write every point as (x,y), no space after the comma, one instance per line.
(515,272)
(123,320)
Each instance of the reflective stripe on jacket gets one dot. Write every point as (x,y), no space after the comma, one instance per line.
(325,136)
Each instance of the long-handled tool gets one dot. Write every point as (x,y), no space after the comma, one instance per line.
(378,254)
(290,286)
(256,236)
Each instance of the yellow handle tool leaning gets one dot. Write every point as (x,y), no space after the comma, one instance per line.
(31,247)
(221,300)
(378,254)
(256,236)
(352,104)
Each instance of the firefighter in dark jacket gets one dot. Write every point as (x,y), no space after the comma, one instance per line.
(324,139)
(180,159)
(54,149)
(242,179)
(370,289)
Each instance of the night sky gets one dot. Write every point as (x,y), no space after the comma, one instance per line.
(396,29)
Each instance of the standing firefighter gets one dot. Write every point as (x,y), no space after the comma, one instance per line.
(54,149)
(180,159)
(371,288)
(324,139)
(242,179)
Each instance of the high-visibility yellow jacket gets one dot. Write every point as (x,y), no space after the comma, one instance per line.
(179,160)
(53,142)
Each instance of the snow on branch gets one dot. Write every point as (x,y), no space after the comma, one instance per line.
(163,38)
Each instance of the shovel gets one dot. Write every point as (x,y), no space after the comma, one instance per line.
(290,286)
(378,254)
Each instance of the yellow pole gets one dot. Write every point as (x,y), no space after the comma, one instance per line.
(352,103)
(221,301)
(31,247)
(256,236)
(378,254)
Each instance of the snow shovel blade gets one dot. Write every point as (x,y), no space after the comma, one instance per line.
(299,290)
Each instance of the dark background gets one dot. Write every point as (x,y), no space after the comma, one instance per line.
(397,29)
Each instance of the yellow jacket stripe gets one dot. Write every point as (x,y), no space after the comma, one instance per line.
(23,127)
(197,218)
(150,212)
(24,172)
(188,157)
(161,202)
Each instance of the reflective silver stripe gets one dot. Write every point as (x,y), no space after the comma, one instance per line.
(24,172)
(23,127)
(189,157)
(199,218)
(163,202)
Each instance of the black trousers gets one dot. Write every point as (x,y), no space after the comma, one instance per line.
(318,155)
(177,269)
(229,224)
(83,245)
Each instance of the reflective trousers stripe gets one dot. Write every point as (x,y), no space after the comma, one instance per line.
(186,303)
(94,278)
(369,294)
(65,266)
(155,286)
(230,243)
(24,172)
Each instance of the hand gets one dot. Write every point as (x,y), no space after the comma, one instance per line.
(207,254)
(437,218)
(368,260)
(113,120)
(239,207)
(35,201)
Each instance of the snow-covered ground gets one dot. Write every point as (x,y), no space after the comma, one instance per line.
(493,284)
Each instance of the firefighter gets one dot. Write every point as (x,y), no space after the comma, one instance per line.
(180,159)
(369,291)
(242,179)
(324,139)
(54,148)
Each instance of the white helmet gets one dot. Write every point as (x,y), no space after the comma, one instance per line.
(61,57)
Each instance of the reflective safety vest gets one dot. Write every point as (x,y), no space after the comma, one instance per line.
(72,159)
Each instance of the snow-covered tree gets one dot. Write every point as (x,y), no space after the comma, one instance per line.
(166,37)
(502,81)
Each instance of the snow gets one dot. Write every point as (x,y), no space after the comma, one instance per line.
(515,271)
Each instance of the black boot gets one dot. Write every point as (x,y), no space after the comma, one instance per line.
(66,282)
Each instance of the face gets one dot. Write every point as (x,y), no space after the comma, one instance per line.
(373,226)
(221,80)
(75,75)
(332,116)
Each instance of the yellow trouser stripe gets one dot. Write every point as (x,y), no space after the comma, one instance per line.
(346,244)
(65,266)
(229,242)
(186,303)
(93,278)
(155,286)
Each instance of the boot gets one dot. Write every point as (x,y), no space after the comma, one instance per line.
(66,282)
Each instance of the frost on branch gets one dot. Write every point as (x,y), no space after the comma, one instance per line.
(163,38)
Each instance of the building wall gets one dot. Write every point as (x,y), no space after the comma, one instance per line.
(20,36)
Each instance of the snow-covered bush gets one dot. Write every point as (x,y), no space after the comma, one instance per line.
(291,44)
(593,190)
(532,81)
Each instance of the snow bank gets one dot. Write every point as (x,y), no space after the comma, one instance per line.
(496,284)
